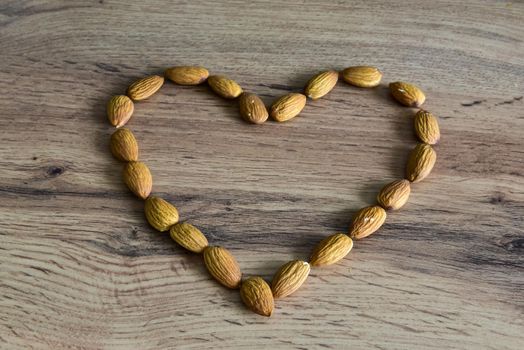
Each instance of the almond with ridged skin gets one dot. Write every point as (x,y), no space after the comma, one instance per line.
(160,213)
(224,87)
(222,266)
(189,237)
(394,195)
(331,249)
(138,178)
(366,221)
(257,296)
(124,146)
(145,87)
(119,110)
(252,108)
(289,278)
(407,94)
(420,162)
(187,75)
(426,127)
(287,107)
(362,76)
(321,84)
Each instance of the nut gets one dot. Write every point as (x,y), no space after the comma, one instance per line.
(222,266)
(366,221)
(426,127)
(138,178)
(119,110)
(394,195)
(362,76)
(252,109)
(331,249)
(187,75)
(420,162)
(224,86)
(287,107)
(257,296)
(321,84)
(145,87)
(160,213)
(407,94)
(289,278)
(189,237)
(124,146)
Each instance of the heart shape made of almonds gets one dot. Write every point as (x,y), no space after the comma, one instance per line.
(255,292)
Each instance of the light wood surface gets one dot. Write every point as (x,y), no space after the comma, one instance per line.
(81,269)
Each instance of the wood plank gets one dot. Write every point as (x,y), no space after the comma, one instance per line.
(81,268)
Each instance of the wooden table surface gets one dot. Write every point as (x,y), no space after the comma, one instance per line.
(80,267)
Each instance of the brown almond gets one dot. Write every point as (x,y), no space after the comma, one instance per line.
(366,221)
(321,84)
(289,278)
(145,87)
(119,110)
(187,75)
(394,195)
(331,249)
(407,94)
(160,213)
(362,76)
(252,109)
(426,127)
(420,162)
(124,146)
(189,237)
(257,296)
(138,178)
(224,86)
(287,107)
(222,265)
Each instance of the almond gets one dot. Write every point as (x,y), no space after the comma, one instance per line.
(145,87)
(287,107)
(160,213)
(224,86)
(187,75)
(407,94)
(366,221)
(420,162)
(257,296)
(321,84)
(138,178)
(222,266)
(331,249)
(124,146)
(394,195)
(362,76)
(189,237)
(119,110)
(252,109)
(289,278)
(426,127)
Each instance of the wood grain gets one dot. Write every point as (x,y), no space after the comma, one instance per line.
(80,267)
